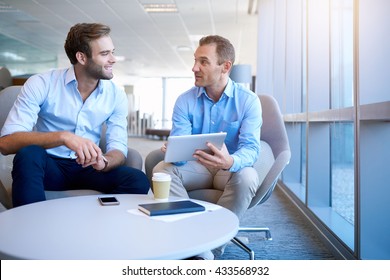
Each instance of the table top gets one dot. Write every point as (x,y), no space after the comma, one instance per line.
(79,228)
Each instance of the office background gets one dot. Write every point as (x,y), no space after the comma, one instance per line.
(327,64)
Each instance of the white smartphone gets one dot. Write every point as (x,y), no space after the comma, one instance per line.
(108,200)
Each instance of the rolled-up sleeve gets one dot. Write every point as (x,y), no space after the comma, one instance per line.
(24,113)
(116,134)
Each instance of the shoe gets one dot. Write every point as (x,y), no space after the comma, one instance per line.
(197,258)
(218,252)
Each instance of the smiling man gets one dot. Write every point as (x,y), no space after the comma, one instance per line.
(55,125)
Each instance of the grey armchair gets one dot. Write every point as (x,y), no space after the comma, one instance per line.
(5,78)
(274,156)
(7,99)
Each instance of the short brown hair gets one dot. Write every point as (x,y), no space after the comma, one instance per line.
(225,50)
(79,37)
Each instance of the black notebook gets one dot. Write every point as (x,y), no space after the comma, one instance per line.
(170,207)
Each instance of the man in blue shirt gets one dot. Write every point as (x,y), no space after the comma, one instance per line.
(216,104)
(55,125)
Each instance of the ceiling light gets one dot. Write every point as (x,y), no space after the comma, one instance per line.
(196,38)
(183,48)
(160,8)
(120,58)
(12,56)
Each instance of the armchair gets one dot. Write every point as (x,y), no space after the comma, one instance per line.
(274,156)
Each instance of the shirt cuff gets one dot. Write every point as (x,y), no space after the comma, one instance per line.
(236,164)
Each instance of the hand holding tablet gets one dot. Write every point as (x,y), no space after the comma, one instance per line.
(182,148)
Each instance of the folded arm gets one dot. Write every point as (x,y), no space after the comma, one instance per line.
(11,143)
(87,152)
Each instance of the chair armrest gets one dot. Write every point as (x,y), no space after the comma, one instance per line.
(2,208)
(151,161)
(134,159)
(6,180)
(4,198)
(270,180)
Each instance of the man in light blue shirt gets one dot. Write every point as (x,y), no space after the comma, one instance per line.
(55,125)
(216,104)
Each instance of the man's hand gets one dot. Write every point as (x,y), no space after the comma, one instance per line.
(87,152)
(164,148)
(100,164)
(220,159)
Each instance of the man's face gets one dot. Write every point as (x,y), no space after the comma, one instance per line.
(99,66)
(206,68)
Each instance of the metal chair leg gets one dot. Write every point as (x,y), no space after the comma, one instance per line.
(240,244)
(257,229)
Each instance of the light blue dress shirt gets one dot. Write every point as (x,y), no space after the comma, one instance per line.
(238,112)
(51,102)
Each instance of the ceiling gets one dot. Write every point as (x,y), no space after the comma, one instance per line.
(148,44)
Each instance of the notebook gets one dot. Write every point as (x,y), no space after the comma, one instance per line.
(182,148)
(170,207)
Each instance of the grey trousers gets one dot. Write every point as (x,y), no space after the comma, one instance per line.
(237,188)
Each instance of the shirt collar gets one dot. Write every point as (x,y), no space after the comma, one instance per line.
(71,77)
(229,88)
(229,92)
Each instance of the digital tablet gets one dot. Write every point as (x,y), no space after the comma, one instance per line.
(182,148)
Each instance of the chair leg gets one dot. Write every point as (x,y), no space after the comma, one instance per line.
(257,229)
(240,244)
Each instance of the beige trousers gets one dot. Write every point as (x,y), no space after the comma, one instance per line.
(237,188)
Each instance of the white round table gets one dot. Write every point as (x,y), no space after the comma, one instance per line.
(79,228)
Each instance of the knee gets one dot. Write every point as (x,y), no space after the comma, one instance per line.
(29,154)
(144,183)
(248,179)
(136,178)
(163,167)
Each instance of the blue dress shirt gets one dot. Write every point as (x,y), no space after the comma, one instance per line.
(237,112)
(51,102)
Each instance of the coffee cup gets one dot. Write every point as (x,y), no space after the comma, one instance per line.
(161,185)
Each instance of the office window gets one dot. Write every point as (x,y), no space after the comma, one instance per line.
(22,59)
(339,139)
(155,98)
(303,156)
(148,99)
(342,170)
(341,61)
(304,58)
(173,88)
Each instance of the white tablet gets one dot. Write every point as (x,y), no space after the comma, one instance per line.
(182,148)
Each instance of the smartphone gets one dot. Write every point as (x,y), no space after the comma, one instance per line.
(108,200)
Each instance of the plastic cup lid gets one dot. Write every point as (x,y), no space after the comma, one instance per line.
(161,176)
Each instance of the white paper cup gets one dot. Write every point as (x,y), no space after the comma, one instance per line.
(161,185)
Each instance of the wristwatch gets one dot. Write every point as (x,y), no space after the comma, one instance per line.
(105,163)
